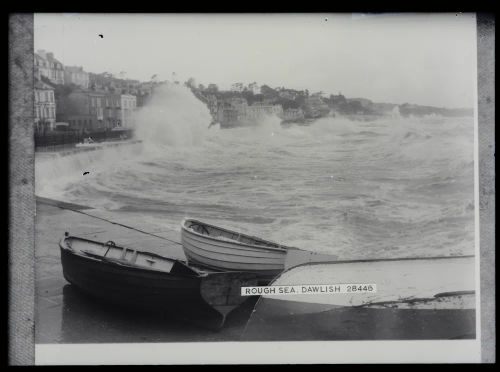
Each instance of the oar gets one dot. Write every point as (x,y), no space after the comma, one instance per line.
(222,291)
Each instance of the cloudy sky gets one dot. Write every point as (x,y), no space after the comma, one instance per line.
(427,59)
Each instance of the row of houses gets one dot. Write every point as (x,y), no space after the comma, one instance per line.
(85,110)
(82,110)
(82,101)
(236,111)
(48,66)
(250,103)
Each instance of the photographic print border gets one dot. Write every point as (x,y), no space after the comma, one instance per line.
(22,201)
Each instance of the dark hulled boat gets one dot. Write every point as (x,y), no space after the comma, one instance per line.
(150,282)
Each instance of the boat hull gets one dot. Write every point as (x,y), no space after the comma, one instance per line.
(150,283)
(228,256)
(135,288)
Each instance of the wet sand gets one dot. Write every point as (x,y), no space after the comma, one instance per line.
(65,315)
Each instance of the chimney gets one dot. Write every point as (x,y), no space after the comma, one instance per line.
(42,52)
(50,55)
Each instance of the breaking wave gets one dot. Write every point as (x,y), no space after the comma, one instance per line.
(174,117)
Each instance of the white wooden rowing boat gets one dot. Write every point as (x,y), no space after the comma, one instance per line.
(222,249)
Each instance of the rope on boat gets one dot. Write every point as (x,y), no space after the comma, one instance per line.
(120,224)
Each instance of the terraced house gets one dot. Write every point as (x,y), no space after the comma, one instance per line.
(45,107)
(48,66)
(83,110)
(119,110)
(76,75)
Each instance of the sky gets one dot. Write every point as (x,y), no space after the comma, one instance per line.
(427,59)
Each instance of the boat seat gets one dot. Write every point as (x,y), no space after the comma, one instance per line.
(124,253)
(199,228)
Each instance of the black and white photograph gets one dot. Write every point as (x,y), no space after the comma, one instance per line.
(255,178)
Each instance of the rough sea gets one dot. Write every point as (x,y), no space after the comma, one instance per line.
(394,187)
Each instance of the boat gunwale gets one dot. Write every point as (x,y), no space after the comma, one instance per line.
(156,276)
(278,247)
(196,273)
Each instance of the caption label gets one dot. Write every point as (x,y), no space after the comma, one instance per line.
(283,290)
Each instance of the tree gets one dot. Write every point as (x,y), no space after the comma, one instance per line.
(249,96)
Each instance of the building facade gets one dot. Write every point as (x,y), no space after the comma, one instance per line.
(112,111)
(76,75)
(212,104)
(48,66)
(293,115)
(128,107)
(84,111)
(45,107)
(315,107)
(240,104)
(258,111)
(229,115)
(97,110)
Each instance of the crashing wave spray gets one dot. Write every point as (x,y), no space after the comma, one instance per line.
(173,116)
(395,113)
